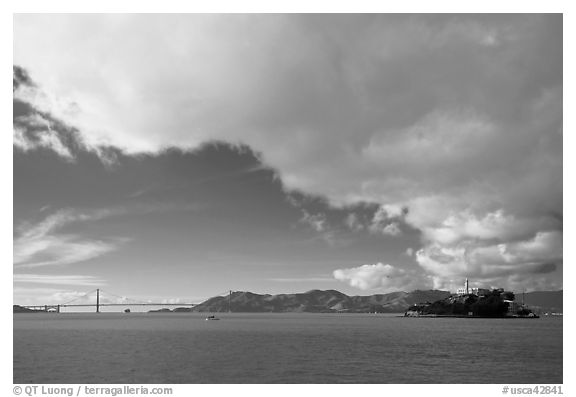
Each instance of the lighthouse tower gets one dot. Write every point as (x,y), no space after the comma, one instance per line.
(465,290)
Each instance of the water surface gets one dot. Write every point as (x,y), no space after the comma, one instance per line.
(283,348)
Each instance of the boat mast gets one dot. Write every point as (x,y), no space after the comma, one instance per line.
(230,302)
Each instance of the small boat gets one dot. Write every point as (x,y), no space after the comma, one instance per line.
(213,317)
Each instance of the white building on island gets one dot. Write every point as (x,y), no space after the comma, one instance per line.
(467,290)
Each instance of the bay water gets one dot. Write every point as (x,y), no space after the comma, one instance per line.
(283,348)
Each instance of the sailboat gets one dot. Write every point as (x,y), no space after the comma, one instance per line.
(213,317)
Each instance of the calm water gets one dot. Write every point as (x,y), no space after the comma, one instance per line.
(283,348)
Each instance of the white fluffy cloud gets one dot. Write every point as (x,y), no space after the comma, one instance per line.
(383,277)
(457,118)
(505,263)
(386,220)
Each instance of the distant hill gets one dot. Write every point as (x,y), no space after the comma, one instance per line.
(20,309)
(317,301)
(543,301)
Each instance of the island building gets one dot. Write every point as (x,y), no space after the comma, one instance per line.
(467,290)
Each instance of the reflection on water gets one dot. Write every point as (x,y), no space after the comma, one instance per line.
(283,348)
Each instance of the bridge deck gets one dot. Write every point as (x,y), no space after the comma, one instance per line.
(110,304)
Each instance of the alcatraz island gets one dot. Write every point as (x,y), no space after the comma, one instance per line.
(473,302)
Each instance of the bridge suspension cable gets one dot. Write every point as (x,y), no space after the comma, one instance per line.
(225,293)
(79,297)
(123,299)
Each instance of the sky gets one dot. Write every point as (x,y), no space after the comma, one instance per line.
(176,157)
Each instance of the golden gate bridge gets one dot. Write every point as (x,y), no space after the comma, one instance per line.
(102,299)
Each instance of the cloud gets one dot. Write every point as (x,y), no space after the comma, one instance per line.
(457,118)
(353,222)
(380,276)
(386,218)
(65,250)
(492,226)
(174,300)
(392,229)
(318,222)
(536,257)
(322,227)
(20,77)
(34,131)
(41,245)
(26,295)
(79,280)
(51,289)
(42,295)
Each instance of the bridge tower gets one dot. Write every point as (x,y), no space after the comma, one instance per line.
(97,300)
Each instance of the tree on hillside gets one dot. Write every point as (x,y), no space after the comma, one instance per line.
(491,306)
(508,295)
